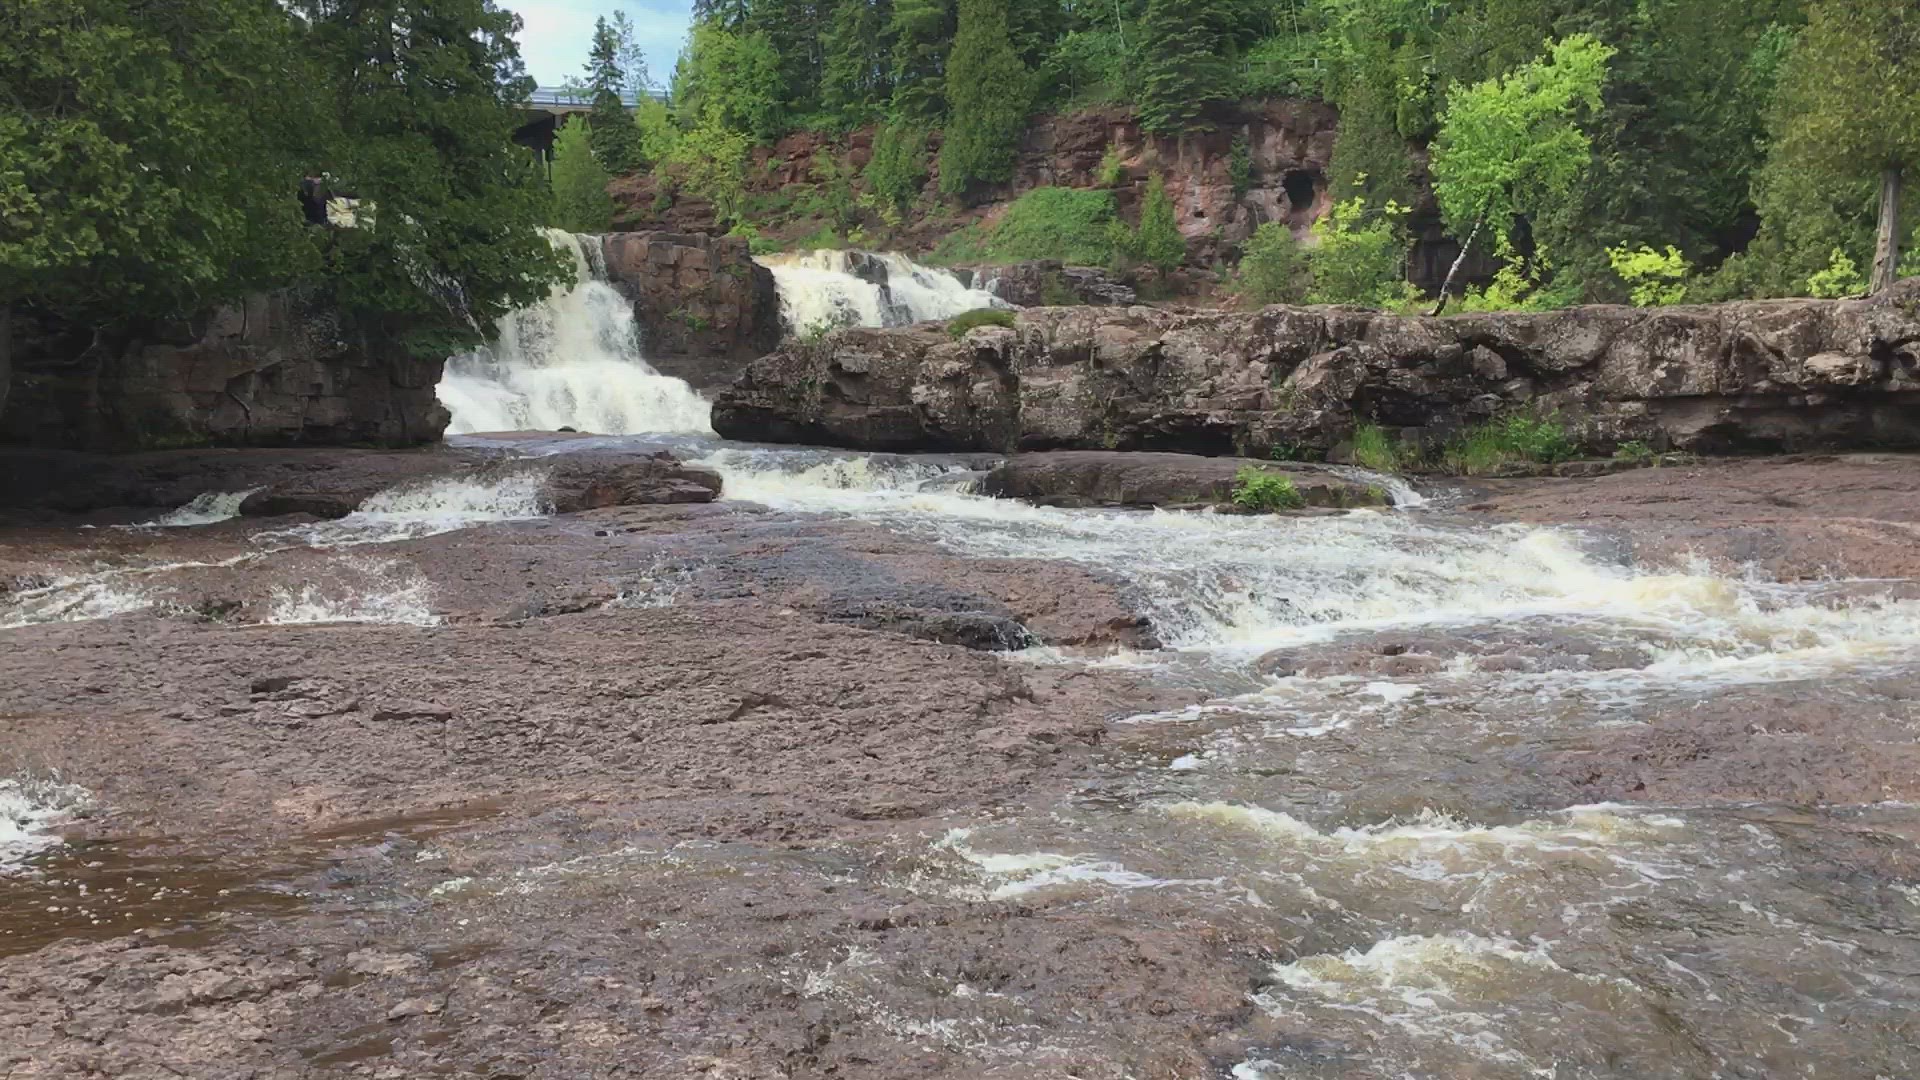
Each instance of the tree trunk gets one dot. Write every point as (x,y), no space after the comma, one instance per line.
(1886,248)
(1459,261)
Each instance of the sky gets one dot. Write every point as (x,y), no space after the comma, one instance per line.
(557,33)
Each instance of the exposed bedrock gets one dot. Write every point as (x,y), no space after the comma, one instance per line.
(706,308)
(1080,478)
(1761,375)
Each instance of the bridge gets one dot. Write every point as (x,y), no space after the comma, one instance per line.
(550,104)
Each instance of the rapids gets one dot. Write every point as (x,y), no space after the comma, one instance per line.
(826,289)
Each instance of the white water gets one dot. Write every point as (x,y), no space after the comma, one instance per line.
(573,361)
(207,508)
(31,806)
(822,290)
(413,511)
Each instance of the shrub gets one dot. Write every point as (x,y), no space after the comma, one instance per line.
(1240,167)
(1158,242)
(1840,280)
(1512,440)
(1361,256)
(959,325)
(1045,223)
(898,169)
(1256,489)
(1637,452)
(1113,171)
(1374,449)
(1273,269)
(1656,278)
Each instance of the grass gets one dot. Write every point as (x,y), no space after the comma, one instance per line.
(1259,490)
(1374,449)
(960,324)
(1045,223)
(1637,452)
(1509,441)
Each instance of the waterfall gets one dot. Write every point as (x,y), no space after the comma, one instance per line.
(862,288)
(572,361)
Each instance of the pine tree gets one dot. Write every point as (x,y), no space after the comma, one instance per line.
(1158,242)
(988,90)
(1187,62)
(615,140)
(580,200)
(922,32)
(1850,107)
(857,79)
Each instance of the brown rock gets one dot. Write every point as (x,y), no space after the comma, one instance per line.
(1107,478)
(705,307)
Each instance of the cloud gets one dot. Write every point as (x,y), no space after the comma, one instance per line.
(557,33)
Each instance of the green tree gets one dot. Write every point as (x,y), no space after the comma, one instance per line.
(856,81)
(1511,145)
(898,169)
(1187,61)
(1273,270)
(615,140)
(1850,106)
(1158,241)
(658,134)
(580,200)
(731,81)
(711,162)
(988,92)
(922,33)
(1359,256)
(425,96)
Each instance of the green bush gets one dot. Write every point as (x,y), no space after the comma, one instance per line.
(1240,167)
(1656,278)
(1256,489)
(1512,440)
(1374,449)
(960,324)
(1839,281)
(1637,452)
(1274,268)
(1361,256)
(898,168)
(1158,241)
(1045,223)
(1113,171)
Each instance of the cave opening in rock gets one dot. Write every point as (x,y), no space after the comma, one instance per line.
(1302,187)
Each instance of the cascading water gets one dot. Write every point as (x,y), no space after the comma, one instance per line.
(859,288)
(571,362)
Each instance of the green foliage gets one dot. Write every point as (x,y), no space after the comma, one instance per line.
(1509,441)
(898,168)
(1656,278)
(1360,256)
(1188,59)
(1265,492)
(1113,169)
(961,324)
(711,162)
(731,81)
(1510,145)
(1274,268)
(1841,279)
(658,134)
(580,200)
(1520,285)
(1158,242)
(1240,167)
(1045,223)
(1637,452)
(615,141)
(922,33)
(756,244)
(853,88)
(988,90)
(1374,448)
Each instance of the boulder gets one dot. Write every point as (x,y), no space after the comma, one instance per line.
(1749,376)
(578,483)
(1051,283)
(1081,478)
(705,308)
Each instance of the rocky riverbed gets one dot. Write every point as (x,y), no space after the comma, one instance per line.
(846,772)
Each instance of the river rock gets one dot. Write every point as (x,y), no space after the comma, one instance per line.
(1051,283)
(1079,478)
(1762,375)
(578,483)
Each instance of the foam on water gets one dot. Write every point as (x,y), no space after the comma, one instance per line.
(1430,833)
(30,806)
(377,593)
(207,508)
(413,511)
(72,599)
(854,288)
(572,361)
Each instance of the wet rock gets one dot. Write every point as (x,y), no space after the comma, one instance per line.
(1079,478)
(705,306)
(325,482)
(1053,284)
(1741,376)
(577,483)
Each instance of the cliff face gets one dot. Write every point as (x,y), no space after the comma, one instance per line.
(1746,376)
(705,307)
(1288,144)
(279,368)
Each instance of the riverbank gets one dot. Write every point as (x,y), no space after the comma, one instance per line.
(850,773)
